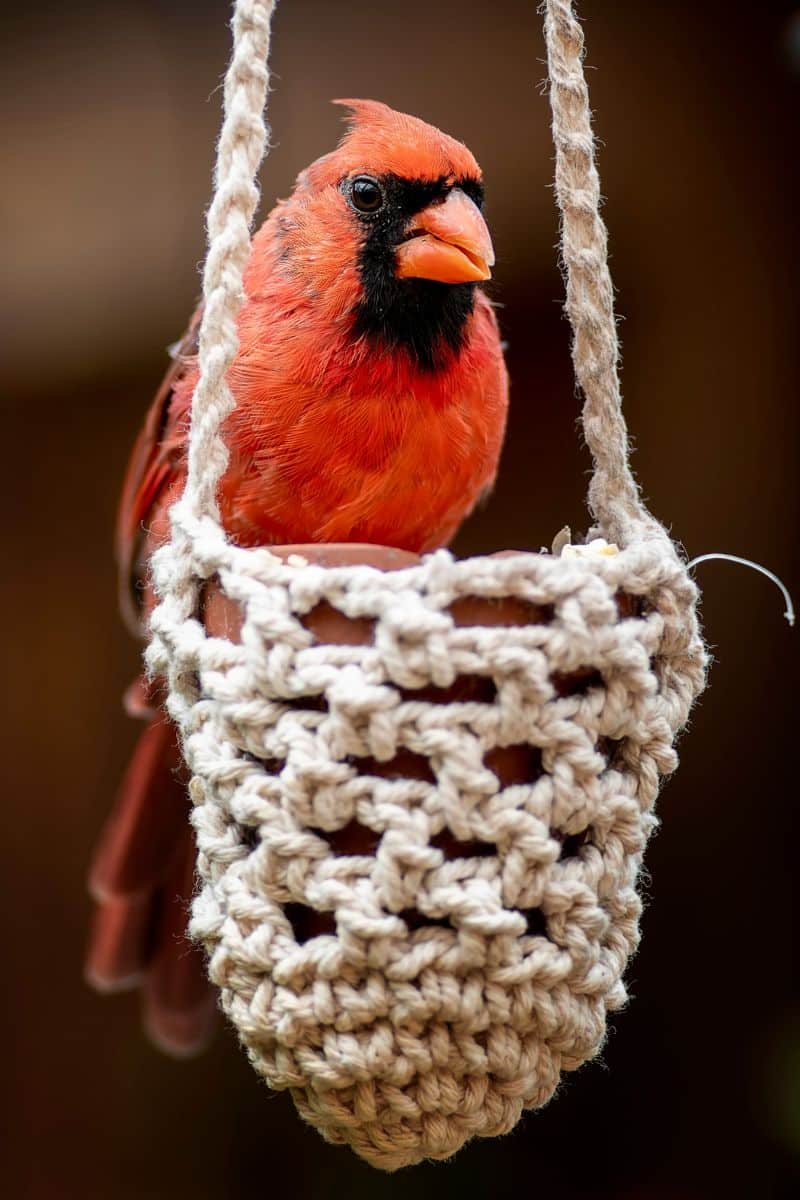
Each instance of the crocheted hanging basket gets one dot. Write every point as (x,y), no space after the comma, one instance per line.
(422,788)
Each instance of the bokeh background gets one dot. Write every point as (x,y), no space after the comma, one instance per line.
(110,114)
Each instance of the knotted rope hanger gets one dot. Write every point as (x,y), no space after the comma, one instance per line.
(613,494)
(197,533)
(241,148)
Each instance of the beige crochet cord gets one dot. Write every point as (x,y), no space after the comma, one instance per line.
(406,1037)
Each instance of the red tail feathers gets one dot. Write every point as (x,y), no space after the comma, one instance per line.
(142,879)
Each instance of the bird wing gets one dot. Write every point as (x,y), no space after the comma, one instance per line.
(155,462)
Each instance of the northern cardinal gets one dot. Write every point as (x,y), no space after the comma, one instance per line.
(371,399)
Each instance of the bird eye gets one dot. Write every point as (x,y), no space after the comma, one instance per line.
(366,194)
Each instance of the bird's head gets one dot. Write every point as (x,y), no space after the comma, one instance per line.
(388,229)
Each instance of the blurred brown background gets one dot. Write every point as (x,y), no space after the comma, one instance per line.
(110,116)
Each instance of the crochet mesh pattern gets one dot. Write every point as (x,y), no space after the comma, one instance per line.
(418,844)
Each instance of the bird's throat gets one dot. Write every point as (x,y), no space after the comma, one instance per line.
(426,319)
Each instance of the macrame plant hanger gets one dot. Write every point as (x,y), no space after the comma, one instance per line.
(418,842)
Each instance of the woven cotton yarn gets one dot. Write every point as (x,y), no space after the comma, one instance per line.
(414,940)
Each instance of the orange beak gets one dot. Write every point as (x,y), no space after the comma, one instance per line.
(447,242)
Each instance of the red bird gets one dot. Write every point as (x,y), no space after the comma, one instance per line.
(371,399)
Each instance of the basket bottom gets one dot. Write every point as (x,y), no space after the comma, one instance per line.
(432,1118)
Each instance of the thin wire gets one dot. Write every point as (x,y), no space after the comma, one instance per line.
(746,562)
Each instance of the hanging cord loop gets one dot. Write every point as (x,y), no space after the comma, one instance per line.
(613,493)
